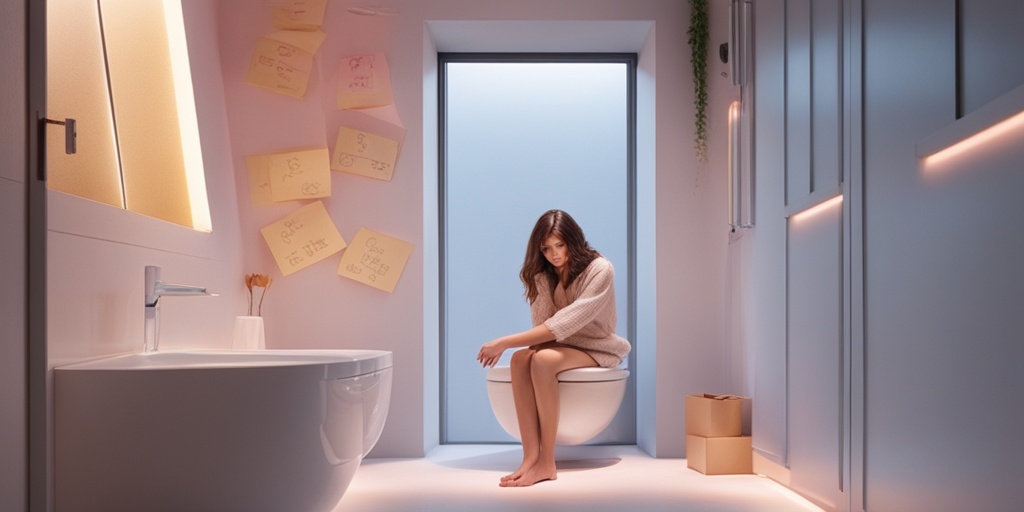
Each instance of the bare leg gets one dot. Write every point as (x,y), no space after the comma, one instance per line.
(526,410)
(545,365)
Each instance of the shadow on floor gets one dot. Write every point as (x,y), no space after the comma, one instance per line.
(508,460)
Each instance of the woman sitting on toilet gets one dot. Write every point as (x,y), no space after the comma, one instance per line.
(571,291)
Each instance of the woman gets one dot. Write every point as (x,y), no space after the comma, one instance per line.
(570,288)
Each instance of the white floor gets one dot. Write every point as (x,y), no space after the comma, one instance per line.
(590,479)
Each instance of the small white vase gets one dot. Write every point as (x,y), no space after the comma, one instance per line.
(248,333)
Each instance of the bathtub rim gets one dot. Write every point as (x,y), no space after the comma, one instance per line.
(336,363)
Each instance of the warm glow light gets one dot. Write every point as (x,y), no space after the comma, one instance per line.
(733,163)
(192,153)
(817,209)
(993,132)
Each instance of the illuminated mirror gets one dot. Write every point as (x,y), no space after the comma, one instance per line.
(120,69)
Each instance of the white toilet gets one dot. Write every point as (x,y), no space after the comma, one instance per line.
(589,399)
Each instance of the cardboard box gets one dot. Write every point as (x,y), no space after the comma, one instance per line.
(720,455)
(714,415)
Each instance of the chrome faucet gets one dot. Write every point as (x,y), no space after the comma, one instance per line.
(155,288)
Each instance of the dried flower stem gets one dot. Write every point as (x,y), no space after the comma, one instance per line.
(248,286)
(259,309)
(260,281)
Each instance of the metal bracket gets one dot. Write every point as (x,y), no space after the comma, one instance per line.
(70,133)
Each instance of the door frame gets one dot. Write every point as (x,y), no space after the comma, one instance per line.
(632,61)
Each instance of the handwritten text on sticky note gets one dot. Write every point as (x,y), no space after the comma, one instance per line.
(363,153)
(375,259)
(281,62)
(364,81)
(300,174)
(303,238)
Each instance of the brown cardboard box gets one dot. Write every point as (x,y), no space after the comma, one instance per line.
(720,455)
(714,415)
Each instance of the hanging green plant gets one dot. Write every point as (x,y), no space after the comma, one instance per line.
(698,40)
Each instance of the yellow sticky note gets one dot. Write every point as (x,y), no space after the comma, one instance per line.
(303,238)
(364,81)
(281,61)
(300,14)
(300,174)
(259,180)
(375,259)
(364,153)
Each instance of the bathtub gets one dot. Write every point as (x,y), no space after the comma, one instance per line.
(269,430)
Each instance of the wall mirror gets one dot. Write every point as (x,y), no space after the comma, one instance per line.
(120,69)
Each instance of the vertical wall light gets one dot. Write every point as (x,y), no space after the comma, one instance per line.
(740,161)
(739,40)
(734,164)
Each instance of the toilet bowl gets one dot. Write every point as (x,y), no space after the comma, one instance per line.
(588,398)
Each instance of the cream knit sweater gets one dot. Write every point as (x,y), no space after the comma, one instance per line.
(583,315)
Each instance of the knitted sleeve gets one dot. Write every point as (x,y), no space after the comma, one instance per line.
(543,306)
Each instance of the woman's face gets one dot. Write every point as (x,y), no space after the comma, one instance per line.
(556,252)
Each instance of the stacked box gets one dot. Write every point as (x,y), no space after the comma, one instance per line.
(715,444)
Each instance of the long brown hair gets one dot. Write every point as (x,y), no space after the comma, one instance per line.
(562,225)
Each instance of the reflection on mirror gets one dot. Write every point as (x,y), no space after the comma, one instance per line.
(121,69)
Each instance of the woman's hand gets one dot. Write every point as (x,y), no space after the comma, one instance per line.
(490,353)
(492,350)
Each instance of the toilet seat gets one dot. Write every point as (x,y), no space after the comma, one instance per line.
(590,374)
(589,399)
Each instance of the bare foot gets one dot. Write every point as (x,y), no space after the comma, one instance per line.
(535,474)
(519,472)
(511,477)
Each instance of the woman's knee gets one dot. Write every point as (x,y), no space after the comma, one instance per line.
(521,358)
(546,363)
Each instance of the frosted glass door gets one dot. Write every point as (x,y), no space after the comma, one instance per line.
(522,138)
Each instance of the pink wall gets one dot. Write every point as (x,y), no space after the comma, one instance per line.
(102,251)
(97,253)
(315,307)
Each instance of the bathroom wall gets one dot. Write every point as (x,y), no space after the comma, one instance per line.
(940,291)
(13,382)
(943,290)
(927,356)
(692,231)
(683,220)
(97,253)
(759,255)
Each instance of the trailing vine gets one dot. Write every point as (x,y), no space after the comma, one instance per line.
(698,33)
